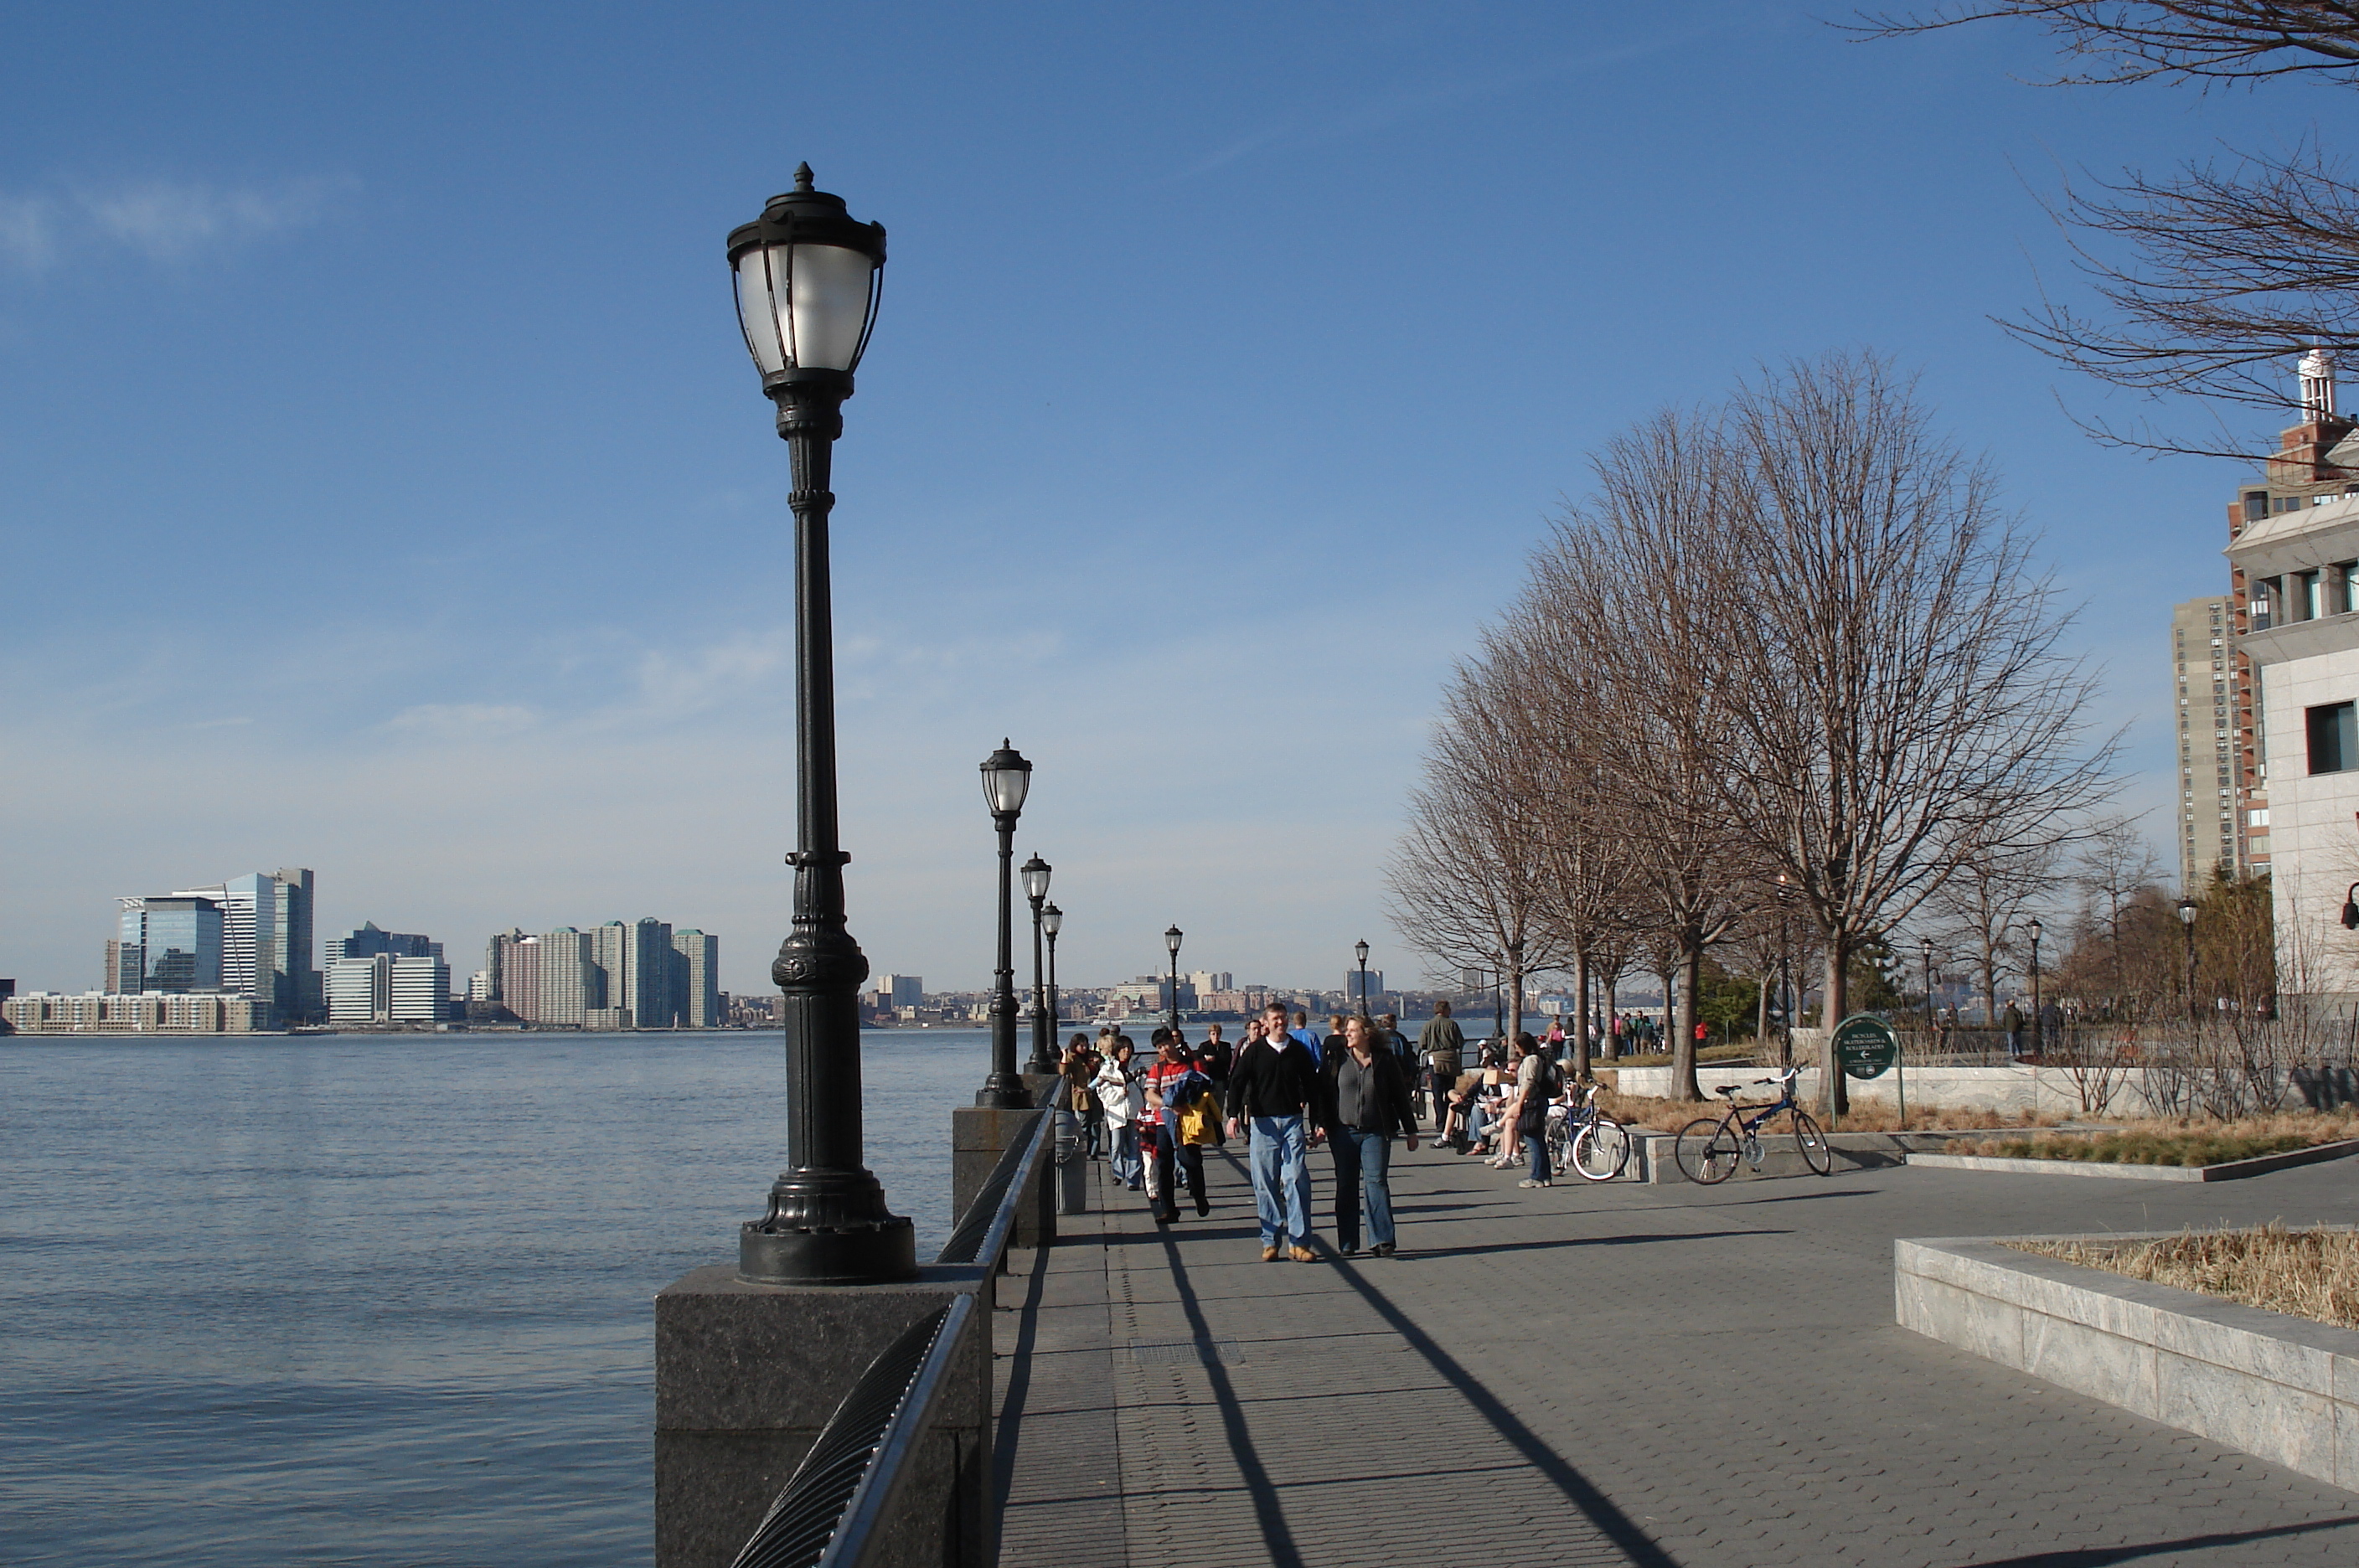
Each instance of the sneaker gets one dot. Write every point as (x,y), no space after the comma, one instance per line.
(1528,1181)
(1303,1255)
(1269,1253)
(1381,1250)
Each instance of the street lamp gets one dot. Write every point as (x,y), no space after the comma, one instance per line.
(1052,921)
(2187,920)
(1035,892)
(807,276)
(1924,946)
(1006,779)
(1362,949)
(2350,909)
(2038,1030)
(1171,945)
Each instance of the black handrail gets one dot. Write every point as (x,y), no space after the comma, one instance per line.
(983,1231)
(847,1485)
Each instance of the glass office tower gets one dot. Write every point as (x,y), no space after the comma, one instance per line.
(172,945)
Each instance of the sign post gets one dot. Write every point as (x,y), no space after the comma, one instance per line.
(1868,1048)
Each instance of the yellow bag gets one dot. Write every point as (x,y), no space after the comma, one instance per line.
(1197,1121)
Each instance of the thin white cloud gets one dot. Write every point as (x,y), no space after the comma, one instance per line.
(166,221)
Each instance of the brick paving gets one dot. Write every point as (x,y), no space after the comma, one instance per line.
(1707,1378)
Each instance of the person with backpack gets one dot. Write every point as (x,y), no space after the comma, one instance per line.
(1539,1081)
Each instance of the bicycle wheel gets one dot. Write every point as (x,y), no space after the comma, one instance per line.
(1706,1151)
(1812,1143)
(1601,1149)
(1559,1145)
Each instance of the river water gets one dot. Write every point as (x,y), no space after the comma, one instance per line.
(382,1299)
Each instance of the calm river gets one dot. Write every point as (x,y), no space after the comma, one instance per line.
(383,1300)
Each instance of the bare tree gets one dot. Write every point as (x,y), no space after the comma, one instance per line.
(1887,662)
(1984,903)
(2225,269)
(1467,885)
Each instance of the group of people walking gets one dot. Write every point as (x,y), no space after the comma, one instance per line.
(1284,1091)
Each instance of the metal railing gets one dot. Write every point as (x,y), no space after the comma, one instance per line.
(847,1485)
(833,1511)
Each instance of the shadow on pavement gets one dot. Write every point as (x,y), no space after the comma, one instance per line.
(2100,1556)
(1592,1241)
(1611,1521)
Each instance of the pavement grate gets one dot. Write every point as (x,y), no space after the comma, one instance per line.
(1186,1353)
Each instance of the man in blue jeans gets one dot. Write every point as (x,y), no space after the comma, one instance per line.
(1275,1088)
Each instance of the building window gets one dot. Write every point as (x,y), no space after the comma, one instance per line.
(2256,506)
(2333,738)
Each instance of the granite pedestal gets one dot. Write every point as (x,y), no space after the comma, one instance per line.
(978,1135)
(747,1375)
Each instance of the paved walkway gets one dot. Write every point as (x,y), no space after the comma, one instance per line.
(1588,1375)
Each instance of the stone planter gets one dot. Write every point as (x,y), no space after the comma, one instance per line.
(2285,1389)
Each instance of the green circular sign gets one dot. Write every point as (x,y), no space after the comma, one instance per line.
(1866,1046)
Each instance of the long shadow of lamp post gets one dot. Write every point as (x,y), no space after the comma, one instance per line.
(1052,921)
(1036,893)
(1006,779)
(807,280)
(1171,943)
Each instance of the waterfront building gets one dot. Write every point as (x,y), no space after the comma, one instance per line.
(370,941)
(389,988)
(480,988)
(1207,980)
(266,928)
(899,990)
(102,1012)
(2211,677)
(1351,987)
(571,982)
(168,943)
(2294,559)
(696,975)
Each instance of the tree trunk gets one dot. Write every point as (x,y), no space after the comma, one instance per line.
(1990,984)
(1580,1012)
(1683,1044)
(1515,1009)
(1837,1089)
(1761,1012)
(1606,1025)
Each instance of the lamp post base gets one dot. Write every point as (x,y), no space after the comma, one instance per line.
(1004,1092)
(879,1253)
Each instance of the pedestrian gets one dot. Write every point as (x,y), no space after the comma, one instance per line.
(1538,1082)
(1086,1102)
(1390,1038)
(1440,1042)
(1122,1097)
(2051,1031)
(1174,1087)
(2012,1021)
(1367,1103)
(1274,1090)
(1556,1039)
(1302,1031)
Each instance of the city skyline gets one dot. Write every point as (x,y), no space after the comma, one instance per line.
(523,583)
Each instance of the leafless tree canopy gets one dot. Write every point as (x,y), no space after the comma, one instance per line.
(2190,40)
(2213,276)
(1789,641)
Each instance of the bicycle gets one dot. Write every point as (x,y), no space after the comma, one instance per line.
(1584,1138)
(1708,1148)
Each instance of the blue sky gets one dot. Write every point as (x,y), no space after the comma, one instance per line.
(385,488)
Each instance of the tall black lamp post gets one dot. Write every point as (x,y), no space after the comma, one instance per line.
(806,278)
(1925,946)
(2187,921)
(1006,779)
(2038,1030)
(1036,893)
(1171,945)
(1052,921)
(1362,949)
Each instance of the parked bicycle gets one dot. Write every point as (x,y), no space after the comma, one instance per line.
(1584,1137)
(1709,1149)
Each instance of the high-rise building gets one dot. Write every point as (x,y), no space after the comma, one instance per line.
(1351,986)
(696,973)
(385,987)
(170,944)
(899,990)
(370,941)
(1207,980)
(571,982)
(2209,676)
(515,968)
(266,941)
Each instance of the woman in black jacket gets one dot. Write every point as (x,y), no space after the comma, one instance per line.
(1367,1101)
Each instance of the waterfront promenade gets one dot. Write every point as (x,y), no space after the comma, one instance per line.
(1588,1375)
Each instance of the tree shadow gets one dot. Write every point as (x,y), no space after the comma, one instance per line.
(2100,1556)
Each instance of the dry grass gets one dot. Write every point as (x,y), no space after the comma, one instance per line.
(1869,1116)
(2304,1273)
(2181,1141)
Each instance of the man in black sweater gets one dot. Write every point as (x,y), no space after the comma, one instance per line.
(1276,1088)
